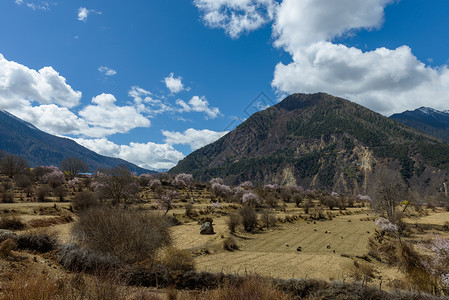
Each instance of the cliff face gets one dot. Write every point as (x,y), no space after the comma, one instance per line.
(323,142)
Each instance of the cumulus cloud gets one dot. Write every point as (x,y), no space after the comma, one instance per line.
(301,23)
(198,104)
(174,84)
(83,13)
(20,85)
(107,71)
(192,137)
(385,80)
(52,119)
(106,115)
(236,16)
(150,155)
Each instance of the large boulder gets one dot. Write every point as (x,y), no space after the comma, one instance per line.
(207,228)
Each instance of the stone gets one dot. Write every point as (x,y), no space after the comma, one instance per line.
(207,228)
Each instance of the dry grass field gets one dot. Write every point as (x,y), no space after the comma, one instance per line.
(297,246)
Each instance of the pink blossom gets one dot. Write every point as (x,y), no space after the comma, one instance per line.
(247,184)
(386,225)
(216,180)
(183,179)
(250,198)
(221,189)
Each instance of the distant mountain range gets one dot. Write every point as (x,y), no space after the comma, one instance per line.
(43,149)
(324,142)
(427,120)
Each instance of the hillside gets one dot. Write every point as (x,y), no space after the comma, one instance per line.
(320,141)
(40,148)
(427,120)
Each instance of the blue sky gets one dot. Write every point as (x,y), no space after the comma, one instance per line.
(150,81)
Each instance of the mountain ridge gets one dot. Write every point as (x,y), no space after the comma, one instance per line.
(40,148)
(428,120)
(319,141)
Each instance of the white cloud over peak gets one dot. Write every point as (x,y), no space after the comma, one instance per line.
(20,85)
(107,71)
(385,80)
(83,13)
(145,155)
(192,137)
(145,102)
(174,84)
(198,104)
(236,16)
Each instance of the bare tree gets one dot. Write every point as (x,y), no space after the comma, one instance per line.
(116,184)
(74,166)
(388,191)
(11,165)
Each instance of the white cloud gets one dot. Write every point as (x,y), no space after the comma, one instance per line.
(192,137)
(175,85)
(83,13)
(236,16)
(144,102)
(110,117)
(385,80)
(198,104)
(107,71)
(20,85)
(35,5)
(149,155)
(301,23)
(52,119)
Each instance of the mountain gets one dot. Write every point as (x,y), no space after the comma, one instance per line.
(323,142)
(428,120)
(42,149)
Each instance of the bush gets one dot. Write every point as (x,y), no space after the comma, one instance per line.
(190,212)
(11,223)
(249,218)
(178,260)
(39,242)
(7,196)
(230,244)
(85,200)
(233,221)
(6,247)
(74,258)
(129,235)
(42,193)
(250,288)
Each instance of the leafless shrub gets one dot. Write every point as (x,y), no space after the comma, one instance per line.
(233,221)
(249,218)
(74,258)
(6,247)
(362,272)
(190,212)
(230,244)
(11,223)
(39,242)
(129,235)
(250,288)
(178,260)
(268,219)
(85,200)
(42,193)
